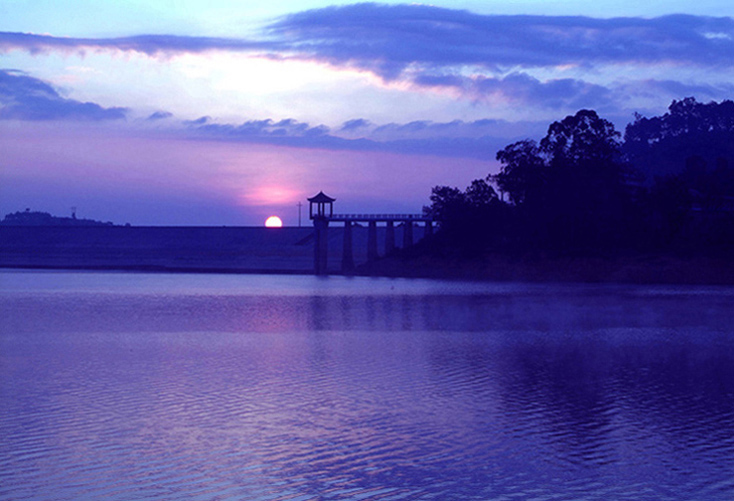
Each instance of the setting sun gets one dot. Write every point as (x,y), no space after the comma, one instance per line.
(273,222)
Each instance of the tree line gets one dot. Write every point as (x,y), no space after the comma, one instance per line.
(668,184)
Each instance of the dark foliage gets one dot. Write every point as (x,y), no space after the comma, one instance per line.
(469,218)
(668,186)
(661,146)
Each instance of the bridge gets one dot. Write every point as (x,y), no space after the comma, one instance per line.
(378,217)
(321,211)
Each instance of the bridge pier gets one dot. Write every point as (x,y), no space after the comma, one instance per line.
(390,238)
(347,252)
(372,241)
(321,211)
(407,234)
(321,226)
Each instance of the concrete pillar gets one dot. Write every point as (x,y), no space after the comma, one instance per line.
(372,241)
(347,254)
(428,231)
(408,234)
(390,238)
(320,245)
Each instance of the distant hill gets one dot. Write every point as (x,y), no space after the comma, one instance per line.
(35,218)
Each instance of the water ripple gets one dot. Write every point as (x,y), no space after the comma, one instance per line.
(387,397)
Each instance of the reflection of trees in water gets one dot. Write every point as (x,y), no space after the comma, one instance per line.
(599,396)
(646,403)
(545,310)
(318,315)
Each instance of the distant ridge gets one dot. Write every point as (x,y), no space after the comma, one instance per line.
(36,218)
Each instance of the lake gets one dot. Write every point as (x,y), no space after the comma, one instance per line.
(196,386)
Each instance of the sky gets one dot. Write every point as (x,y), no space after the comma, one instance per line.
(225,112)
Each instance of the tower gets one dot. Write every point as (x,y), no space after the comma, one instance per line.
(320,217)
(320,201)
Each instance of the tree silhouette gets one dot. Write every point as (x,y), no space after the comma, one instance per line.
(686,156)
(524,171)
(447,203)
(480,194)
(571,189)
(580,190)
(661,145)
(470,219)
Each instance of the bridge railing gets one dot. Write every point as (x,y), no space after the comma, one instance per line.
(380,217)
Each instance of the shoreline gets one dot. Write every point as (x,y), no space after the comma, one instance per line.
(641,269)
(631,270)
(153,269)
(289,251)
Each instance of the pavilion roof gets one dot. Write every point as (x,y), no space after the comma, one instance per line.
(321,198)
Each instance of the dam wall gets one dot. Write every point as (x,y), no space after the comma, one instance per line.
(175,248)
(246,249)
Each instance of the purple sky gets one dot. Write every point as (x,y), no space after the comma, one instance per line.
(218,114)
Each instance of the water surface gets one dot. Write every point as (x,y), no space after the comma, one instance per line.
(163,386)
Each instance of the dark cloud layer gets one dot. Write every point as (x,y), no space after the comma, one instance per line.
(478,56)
(433,47)
(23,97)
(389,38)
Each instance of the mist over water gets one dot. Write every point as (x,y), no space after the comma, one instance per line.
(145,386)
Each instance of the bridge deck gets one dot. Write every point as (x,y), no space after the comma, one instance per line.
(379,217)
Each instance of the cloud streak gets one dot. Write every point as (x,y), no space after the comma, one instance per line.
(456,139)
(523,88)
(151,45)
(23,97)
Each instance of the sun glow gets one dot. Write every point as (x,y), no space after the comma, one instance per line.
(273,222)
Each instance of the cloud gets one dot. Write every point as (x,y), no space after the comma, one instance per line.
(23,97)
(456,139)
(159,115)
(199,121)
(354,125)
(287,132)
(671,89)
(262,129)
(555,62)
(523,88)
(424,129)
(389,39)
(146,44)
(27,98)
